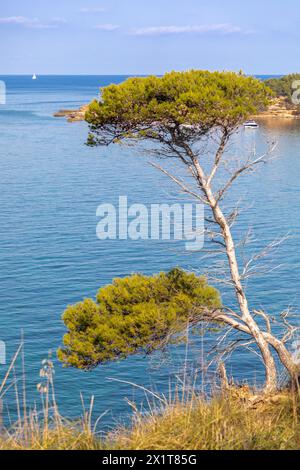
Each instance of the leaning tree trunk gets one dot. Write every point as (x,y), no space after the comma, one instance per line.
(246,317)
(244,321)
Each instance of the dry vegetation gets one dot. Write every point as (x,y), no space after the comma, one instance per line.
(229,422)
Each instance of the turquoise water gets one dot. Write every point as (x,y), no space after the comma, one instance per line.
(50,187)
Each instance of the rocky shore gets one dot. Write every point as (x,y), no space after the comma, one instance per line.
(280,109)
(72,115)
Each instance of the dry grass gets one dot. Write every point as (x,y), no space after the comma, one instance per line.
(221,424)
(224,423)
(236,420)
(65,437)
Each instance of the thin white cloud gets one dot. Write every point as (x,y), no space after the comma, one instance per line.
(107,27)
(222,28)
(34,23)
(93,10)
(13,20)
(58,19)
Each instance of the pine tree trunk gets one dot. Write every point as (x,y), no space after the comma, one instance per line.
(246,317)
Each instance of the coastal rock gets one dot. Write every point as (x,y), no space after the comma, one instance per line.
(72,115)
(280,109)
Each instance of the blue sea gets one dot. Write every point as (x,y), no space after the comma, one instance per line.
(51,184)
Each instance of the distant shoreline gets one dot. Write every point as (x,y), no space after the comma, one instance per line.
(279,109)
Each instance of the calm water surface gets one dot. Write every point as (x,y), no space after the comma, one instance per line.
(50,187)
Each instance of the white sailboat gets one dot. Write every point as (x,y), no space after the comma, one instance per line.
(34,76)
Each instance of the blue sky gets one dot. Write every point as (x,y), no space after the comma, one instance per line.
(148,36)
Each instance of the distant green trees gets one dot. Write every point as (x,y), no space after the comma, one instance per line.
(284,86)
(137,314)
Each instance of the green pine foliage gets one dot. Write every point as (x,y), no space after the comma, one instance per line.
(201,99)
(136,314)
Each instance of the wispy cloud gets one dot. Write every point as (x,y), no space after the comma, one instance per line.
(93,10)
(34,23)
(222,28)
(107,27)
(58,19)
(13,20)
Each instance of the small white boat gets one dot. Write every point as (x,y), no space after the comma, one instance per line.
(251,125)
(34,76)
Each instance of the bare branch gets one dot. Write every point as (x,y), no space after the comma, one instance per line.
(265,317)
(218,156)
(179,182)
(248,166)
